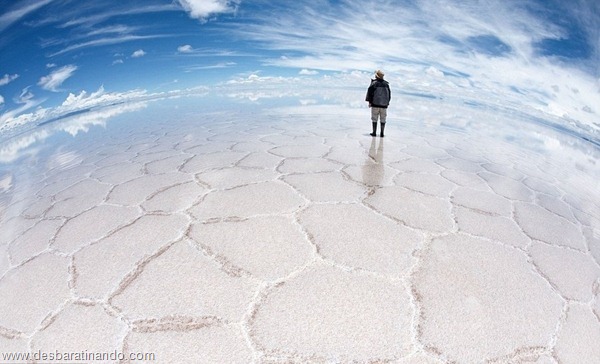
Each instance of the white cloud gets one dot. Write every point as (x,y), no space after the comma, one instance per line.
(107,41)
(6,79)
(101,17)
(56,78)
(202,9)
(434,72)
(25,97)
(112,29)
(117,61)
(50,65)
(1,100)
(16,117)
(490,45)
(348,37)
(15,14)
(185,49)
(307,72)
(138,53)
(212,66)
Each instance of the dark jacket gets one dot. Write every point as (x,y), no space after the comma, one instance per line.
(379,93)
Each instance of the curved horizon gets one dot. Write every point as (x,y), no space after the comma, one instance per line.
(539,57)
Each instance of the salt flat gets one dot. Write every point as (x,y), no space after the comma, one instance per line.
(288,237)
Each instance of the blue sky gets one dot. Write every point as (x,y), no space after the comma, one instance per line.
(546,50)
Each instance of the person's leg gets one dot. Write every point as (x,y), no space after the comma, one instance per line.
(382,119)
(374,115)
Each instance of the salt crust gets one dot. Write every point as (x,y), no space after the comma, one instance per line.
(269,243)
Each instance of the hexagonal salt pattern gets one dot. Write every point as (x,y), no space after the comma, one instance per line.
(266,247)
(204,340)
(69,330)
(41,282)
(301,240)
(352,235)
(327,314)
(471,290)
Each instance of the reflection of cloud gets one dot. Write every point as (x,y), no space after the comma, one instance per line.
(56,78)
(82,123)
(73,125)
(342,88)
(63,160)
(16,119)
(138,53)
(348,88)
(6,182)
(9,152)
(308,102)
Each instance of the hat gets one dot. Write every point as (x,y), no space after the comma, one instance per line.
(379,74)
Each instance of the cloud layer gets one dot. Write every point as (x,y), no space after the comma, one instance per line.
(349,34)
(543,55)
(514,48)
(18,11)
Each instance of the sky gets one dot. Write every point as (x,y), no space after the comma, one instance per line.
(60,56)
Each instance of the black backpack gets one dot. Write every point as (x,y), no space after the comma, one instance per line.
(381,94)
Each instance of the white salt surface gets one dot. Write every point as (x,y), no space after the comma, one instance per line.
(295,237)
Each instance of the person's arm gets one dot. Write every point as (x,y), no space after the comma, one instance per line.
(369,96)
(390,90)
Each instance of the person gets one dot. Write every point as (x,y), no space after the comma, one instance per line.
(379,95)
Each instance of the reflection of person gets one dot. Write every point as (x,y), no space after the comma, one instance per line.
(376,154)
(378,96)
(373,169)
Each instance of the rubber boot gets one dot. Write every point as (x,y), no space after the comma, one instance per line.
(374,133)
(382,129)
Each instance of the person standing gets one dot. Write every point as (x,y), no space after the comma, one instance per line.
(379,95)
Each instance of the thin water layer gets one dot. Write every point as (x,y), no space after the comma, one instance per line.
(275,233)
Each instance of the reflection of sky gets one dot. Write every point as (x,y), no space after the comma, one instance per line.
(542,55)
(462,131)
(73,125)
